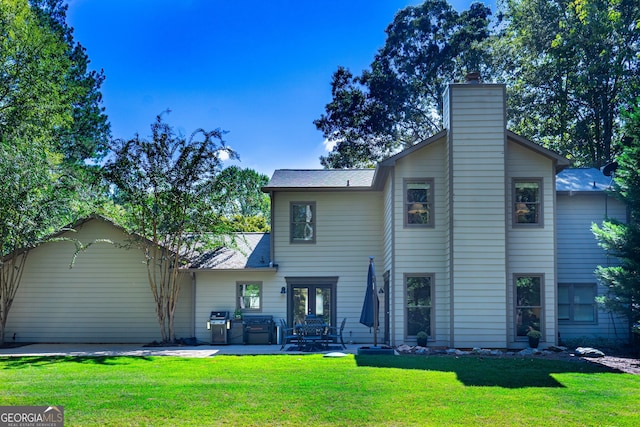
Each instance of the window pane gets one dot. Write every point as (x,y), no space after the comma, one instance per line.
(418,293)
(528,192)
(417,192)
(580,300)
(302,221)
(563,294)
(527,318)
(302,232)
(583,294)
(528,291)
(527,202)
(418,319)
(583,313)
(418,202)
(302,213)
(528,304)
(564,312)
(249,296)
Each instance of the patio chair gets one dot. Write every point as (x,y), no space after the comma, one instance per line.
(286,335)
(335,333)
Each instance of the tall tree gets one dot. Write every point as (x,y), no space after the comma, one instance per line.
(164,183)
(241,189)
(87,135)
(622,239)
(398,101)
(33,63)
(34,104)
(569,66)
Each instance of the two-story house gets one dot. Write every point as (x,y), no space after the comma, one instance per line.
(478,235)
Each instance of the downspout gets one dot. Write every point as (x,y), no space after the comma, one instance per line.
(193,303)
(272,254)
(451,232)
(392,290)
(554,340)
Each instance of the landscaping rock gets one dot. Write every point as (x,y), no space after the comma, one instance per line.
(530,352)
(481,351)
(557,349)
(589,352)
(421,350)
(404,348)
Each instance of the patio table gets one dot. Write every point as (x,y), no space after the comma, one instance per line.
(313,335)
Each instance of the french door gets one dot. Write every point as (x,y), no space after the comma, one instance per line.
(315,298)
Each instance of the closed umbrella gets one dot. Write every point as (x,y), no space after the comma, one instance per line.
(370,307)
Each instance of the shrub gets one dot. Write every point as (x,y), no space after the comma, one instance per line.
(421,337)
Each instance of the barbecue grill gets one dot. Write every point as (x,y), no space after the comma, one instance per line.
(218,323)
(258,329)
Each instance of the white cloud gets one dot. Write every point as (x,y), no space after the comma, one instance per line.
(223,155)
(329,144)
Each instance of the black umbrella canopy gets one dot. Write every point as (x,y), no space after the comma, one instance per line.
(370,307)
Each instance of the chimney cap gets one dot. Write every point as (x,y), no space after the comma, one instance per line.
(473,77)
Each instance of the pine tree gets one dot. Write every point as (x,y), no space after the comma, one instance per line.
(622,240)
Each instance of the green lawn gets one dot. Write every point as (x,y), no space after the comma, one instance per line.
(315,391)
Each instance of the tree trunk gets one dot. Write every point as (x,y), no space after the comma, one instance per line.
(10,277)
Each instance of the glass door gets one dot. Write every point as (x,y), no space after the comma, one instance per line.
(312,299)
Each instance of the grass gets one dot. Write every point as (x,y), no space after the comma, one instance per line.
(297,390)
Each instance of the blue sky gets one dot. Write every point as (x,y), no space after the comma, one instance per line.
(260,70)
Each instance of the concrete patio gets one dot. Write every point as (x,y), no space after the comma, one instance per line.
(102,350)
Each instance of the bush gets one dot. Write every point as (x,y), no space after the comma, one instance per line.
(421,337)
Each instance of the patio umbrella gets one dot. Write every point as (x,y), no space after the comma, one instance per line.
(369,314)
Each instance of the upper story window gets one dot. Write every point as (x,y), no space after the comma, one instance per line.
(418,202)
(527,202)
(249,296)
(303,222)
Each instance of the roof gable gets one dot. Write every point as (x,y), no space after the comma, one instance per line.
(560,162)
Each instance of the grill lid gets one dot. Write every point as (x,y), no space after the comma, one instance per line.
(219,315)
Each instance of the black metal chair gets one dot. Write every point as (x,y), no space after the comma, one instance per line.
(335,333)
(287,335)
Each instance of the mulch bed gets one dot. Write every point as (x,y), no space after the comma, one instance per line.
(627,362)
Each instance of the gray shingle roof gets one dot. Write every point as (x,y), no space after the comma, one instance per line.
(321,178)
(252,252)
(583,180)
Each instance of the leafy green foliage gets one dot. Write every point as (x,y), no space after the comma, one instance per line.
(240,192)
(86,136)
(249,224)
(570,67)
(33,100)
(398,101)
(166,185)
(622,239)
(50,122)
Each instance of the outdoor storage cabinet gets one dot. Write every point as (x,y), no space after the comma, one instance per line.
(258,329)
